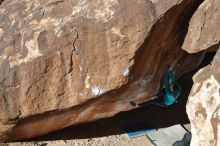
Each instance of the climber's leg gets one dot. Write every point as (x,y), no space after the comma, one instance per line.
(159,104)
(159,101)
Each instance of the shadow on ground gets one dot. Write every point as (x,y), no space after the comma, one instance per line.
(157,117)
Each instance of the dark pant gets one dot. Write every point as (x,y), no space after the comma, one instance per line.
(158,101)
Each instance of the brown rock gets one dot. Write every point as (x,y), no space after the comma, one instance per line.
(69,62)
(203,32)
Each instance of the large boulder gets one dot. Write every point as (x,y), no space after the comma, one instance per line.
(204,100)
(203,107)
(69,62)
(203,32)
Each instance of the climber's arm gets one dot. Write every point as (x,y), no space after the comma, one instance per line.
(175,82)
(166,83)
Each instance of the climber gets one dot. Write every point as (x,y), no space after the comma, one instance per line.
(166,96)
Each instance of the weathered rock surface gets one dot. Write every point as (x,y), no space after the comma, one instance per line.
(203,107)
(68,62)
(204,100)
(202,32)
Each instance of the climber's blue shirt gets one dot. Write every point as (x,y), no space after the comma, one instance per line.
(169,98)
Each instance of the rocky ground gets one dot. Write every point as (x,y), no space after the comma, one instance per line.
(115,140)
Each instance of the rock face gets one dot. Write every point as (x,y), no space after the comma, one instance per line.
(202,33)
(204,100)
(68,62)
(203,106)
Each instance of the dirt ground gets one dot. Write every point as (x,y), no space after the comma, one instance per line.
(109,131)
(114,140)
